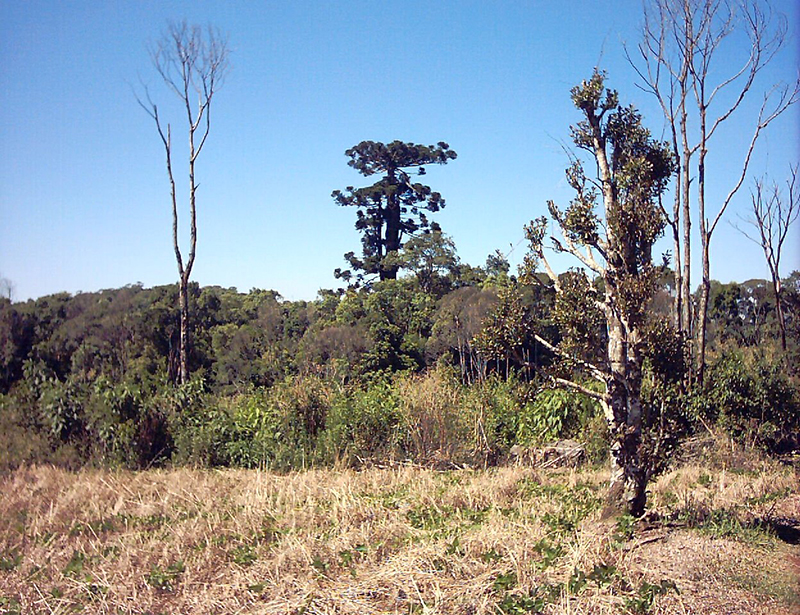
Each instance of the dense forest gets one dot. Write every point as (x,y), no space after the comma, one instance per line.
(439,366)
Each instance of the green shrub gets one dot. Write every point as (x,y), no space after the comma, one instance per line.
(495,403)
(555,414)
(366,424)
(753,400)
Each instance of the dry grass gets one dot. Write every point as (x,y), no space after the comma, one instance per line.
(402,540)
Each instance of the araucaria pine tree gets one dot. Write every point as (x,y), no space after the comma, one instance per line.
(395,206)
(610,227)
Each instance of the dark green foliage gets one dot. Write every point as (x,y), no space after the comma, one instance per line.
(556,414)
(393,207)
(366,425)
(753,399)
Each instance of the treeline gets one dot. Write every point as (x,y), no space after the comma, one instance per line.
(439,366)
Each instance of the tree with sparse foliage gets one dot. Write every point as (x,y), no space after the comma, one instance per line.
(773,212)
(192,62)
(688,61)
(616,245)
(394,207)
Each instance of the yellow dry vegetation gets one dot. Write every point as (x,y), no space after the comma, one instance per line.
(404,539)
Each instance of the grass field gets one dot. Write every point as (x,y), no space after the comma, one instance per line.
(395,540)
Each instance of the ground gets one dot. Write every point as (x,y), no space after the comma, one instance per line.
(404,539)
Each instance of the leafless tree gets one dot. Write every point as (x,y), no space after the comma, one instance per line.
(192,62)
(681,43)
(7,288)
(772,215)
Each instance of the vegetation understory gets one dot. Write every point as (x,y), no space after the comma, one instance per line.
(720,536)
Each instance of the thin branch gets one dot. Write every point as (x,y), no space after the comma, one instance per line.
(598,373)
(785,101)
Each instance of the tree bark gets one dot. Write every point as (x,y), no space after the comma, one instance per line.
(626,492)
(393,221)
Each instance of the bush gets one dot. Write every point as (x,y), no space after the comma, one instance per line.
(753,400)
(365,425)
(495,405)
(555,414)
(436,427)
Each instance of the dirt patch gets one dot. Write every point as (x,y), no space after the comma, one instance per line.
(720,576)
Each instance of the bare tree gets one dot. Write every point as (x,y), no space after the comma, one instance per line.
(772,215)
(680,43)
(192,62)
(7,288)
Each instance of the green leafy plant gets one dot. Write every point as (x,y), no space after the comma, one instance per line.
(165,578)
(642,601)
(243,555)
(10,560)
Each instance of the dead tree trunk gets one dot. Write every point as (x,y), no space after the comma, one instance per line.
(192,63)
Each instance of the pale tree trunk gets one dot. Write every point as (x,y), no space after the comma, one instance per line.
(681,39)
(626,492)
(705,239)
(623,389)
(183,301)
(776,286)
(686,278)
(192,64)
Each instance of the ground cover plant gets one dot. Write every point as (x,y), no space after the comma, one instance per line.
(400,539)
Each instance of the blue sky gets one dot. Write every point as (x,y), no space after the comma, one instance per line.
(84,198)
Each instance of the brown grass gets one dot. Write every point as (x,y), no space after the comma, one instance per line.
(401,540)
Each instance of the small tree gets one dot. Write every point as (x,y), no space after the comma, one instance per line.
(394,206)
(430,257)
(193,63)
(773,212)
(632,172)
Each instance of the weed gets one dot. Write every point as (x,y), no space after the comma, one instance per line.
(243,555)
(9,606)
(10,560)
(505,581)
(766,498)
(491,556)
(550,553)
(642,601)
(93,527)
(320,565)
(515,604)
(623,531)
(454,547)
(603,574)
(725,524)
(577,582)
(75,565)
(429,518)
(347,557)
(164,579)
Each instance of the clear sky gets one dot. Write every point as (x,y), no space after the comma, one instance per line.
(84,201)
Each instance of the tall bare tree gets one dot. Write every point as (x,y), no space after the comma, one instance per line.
(682,42)
(773,212)
(192,62)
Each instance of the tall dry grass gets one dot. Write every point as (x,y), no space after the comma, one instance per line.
(397,540)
